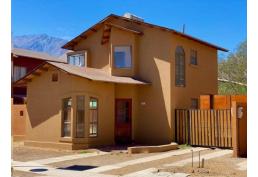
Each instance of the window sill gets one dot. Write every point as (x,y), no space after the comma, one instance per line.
(123,68)
(194,66)
(180,86)
(73,140)
(66,139)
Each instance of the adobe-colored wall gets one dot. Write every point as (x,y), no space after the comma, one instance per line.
(154,59)
(123,38)
(98,54)
(18,121)
(44,107)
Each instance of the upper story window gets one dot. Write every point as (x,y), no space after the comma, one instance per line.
(180,66)
(193,57)
(123,57)
(76,59)
(19,72)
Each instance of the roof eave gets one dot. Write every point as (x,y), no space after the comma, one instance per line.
(71,42)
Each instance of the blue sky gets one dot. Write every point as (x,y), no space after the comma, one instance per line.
(217,21)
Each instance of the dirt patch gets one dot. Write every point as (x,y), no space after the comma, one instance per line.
(25,153)
(107,159)
(152,164)
(224,166)
(17,173)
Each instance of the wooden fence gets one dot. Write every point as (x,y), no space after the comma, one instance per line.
(211,128)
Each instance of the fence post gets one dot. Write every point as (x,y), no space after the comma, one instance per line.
(176,126)
(188,127)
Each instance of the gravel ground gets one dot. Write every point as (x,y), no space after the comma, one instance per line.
(152,164)
(24,153)
(108,159)
(225,166)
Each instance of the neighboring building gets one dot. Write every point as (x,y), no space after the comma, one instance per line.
(23,62)
(122,83)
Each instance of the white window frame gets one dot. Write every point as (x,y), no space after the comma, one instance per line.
(81,63)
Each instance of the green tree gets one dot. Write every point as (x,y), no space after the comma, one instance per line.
(234,70)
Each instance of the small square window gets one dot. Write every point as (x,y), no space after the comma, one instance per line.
(93,103)
(194,103)
(54,77)
(21,113)
(193,57)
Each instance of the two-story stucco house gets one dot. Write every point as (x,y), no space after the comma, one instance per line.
(122,83)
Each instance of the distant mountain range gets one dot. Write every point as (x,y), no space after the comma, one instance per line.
(40,43)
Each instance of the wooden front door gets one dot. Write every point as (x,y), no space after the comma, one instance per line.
(123,121)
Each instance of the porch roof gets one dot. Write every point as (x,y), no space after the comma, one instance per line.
(17,52)
(88,73)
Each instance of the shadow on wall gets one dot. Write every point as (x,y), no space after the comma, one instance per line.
(153,127)
(44,102)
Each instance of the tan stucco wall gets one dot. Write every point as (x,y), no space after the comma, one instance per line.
(44,107)
(155,62)
(18,121)
(153,105)
(98,54)
(123,38)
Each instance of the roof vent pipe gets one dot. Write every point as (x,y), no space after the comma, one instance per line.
(133,17)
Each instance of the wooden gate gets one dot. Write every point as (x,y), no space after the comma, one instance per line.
(211,128)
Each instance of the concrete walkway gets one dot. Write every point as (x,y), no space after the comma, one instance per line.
(242,165)
(219,153)
(50,171)
(68,157)
(153,172)
(40,167)
(144,160)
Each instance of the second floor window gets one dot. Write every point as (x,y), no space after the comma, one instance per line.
(180,67)
(18,72)
(76,59)
(122,57)
(193,57)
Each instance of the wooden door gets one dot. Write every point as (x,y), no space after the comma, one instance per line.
(123,121)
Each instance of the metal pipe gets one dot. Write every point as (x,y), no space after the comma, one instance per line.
(192,158)
(199,159)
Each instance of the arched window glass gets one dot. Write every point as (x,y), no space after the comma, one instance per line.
(180,66)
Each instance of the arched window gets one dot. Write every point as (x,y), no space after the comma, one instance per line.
(180,66)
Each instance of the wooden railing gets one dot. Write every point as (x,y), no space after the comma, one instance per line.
(211,128)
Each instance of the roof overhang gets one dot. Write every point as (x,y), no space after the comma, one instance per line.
(109,19)
(86,73)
